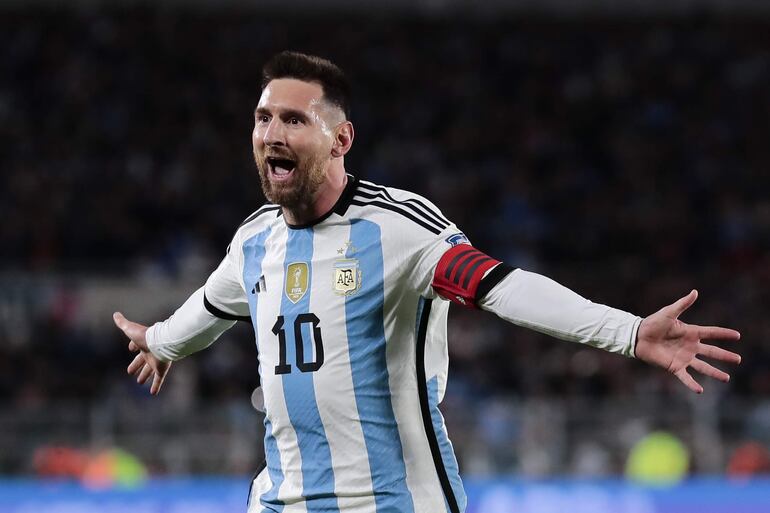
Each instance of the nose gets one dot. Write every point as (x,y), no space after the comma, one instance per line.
(274,133)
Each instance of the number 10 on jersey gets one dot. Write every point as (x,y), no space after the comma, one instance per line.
(283,366)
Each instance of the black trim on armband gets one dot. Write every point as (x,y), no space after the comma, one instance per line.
(216,312)
(489,281)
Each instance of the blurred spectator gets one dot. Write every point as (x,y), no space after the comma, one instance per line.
(113,467)
(59,462)
(659,458)
(749,459)
(101,469)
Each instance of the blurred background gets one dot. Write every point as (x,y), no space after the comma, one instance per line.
(621,148)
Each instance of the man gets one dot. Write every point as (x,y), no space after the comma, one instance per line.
(348,285)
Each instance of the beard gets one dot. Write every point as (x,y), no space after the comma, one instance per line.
(300,191)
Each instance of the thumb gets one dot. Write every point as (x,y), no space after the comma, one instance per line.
(679,306)
(134,331)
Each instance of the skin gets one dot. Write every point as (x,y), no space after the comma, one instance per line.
(293,120)
(665,341)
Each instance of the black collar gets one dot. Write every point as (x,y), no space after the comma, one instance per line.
(343,202)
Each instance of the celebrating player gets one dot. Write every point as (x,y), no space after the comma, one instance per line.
(348,285)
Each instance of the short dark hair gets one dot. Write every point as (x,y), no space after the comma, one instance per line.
(310,68)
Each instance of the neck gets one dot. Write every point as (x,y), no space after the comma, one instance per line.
(325,199)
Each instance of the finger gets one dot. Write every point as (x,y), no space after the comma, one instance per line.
(709,370)
(133,347)
(136,365)
(688,381)
(121,322)
(157,382)
(679,306)
(132,330)
(717,353)
(715,332)
(144,375)
(118,318)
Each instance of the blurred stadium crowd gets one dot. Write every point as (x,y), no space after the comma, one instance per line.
(628,160)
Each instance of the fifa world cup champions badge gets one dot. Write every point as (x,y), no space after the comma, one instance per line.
(347,272)
(296,281)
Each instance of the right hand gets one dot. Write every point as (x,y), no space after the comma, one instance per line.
(144,364)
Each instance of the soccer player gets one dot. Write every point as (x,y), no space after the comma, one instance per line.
(348,285)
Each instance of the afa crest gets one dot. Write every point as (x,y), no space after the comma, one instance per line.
(347,276)
(347,272)
(296,281)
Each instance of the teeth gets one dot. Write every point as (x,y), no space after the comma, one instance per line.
(281,171)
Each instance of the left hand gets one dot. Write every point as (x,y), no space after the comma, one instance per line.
(667,342)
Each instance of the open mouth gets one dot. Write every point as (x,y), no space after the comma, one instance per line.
(281,167)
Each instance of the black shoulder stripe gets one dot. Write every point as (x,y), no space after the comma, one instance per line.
(413,203)
(216,312)
(415,210)
(425,209)
(262,210)
(494,277)
(435,212)
(394,208)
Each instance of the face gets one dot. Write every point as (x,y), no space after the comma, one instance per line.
(293,137)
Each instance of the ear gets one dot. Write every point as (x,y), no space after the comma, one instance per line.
(343,139)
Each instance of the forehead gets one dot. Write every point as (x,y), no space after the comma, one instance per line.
(291,94)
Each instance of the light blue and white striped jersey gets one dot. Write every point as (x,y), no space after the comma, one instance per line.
(352,353)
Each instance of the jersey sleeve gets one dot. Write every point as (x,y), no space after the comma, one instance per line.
(206,314)
(536,302)
(224,296)
(190,329)
(451,268)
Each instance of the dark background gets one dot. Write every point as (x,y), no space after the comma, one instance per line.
(626,158)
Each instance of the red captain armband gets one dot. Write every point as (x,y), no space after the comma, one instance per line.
(459,275)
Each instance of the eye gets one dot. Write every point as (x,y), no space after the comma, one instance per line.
(294,121)
(263,118)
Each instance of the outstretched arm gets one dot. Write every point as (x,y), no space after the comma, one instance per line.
(208,312)
(191,329)
(539,303)
(464,275)
(534,301)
